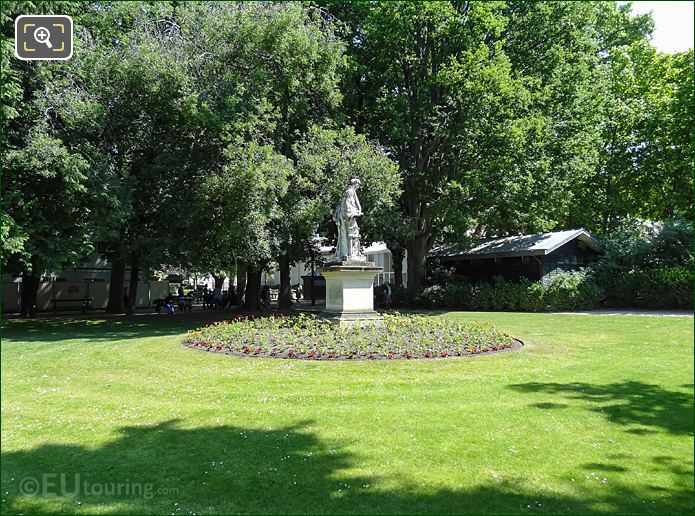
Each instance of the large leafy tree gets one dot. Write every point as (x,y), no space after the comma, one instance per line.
(519,116)
(129,105)
(432,83)
(44,220)
(645,157)
(274,81)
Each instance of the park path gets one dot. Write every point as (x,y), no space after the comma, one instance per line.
(648,313)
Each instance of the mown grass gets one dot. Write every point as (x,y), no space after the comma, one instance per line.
(593,415)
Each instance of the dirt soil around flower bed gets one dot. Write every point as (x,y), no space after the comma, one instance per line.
(516,344)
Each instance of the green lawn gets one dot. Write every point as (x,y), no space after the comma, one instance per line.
(593,415)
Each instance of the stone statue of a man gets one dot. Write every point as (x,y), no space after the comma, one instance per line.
(348,248)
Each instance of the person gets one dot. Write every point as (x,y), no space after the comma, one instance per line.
(265,297)
(206,297)
(182,300)
(233,301)
(298,290)
(169,303)
(387,296)
(216,298)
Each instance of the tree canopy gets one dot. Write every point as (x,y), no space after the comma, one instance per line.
(217,136)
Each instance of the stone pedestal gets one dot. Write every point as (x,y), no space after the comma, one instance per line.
(350,291)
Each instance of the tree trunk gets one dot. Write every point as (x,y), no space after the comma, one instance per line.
(253,289)
(397,259)
(219,281)
(133,288)
(241,282)
(285,296)
(417,261)
(30,291)
(116,287)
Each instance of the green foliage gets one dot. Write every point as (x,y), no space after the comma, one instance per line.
(645,166)
(44,223)
(663,287)
(501,118)
(326,161)
(238,206)
(305,336)
(648,265)
(568,291)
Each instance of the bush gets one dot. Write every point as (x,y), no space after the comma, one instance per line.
(665,287)
(572,291)
(402,297)
(306,336)
(568,291)
(648,265)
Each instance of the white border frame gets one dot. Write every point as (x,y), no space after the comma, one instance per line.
(72,38)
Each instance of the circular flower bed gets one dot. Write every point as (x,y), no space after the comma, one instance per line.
(309,337)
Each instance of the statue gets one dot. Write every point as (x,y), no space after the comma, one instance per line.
(348,247)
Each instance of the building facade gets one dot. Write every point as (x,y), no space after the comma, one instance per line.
(537,257)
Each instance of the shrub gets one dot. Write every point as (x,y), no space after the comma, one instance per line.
(664,287)
(568,291)
(647,265)
(572,291)
(403,297)
(306,336)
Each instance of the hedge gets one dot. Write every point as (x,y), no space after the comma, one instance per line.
(570,291)
(664,287)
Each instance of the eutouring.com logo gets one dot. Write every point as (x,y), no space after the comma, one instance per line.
(65,485)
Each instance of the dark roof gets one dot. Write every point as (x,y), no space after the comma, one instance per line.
(519,245)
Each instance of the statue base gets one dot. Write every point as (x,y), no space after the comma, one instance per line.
(350,292)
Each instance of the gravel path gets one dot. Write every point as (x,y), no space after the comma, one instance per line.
(651,313)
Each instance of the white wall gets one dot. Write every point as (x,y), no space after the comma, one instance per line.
(382,258)
(148,291)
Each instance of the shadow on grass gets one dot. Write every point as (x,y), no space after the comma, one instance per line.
(102,329)
(626,403)
(227,469)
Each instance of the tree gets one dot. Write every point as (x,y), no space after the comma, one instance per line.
(645,159)
(279,66)
(435,87)
(44,221)
(130,107)
(239,208)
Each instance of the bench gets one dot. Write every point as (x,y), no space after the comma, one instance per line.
(85,303)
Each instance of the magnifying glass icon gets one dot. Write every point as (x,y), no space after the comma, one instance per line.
(42,35)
